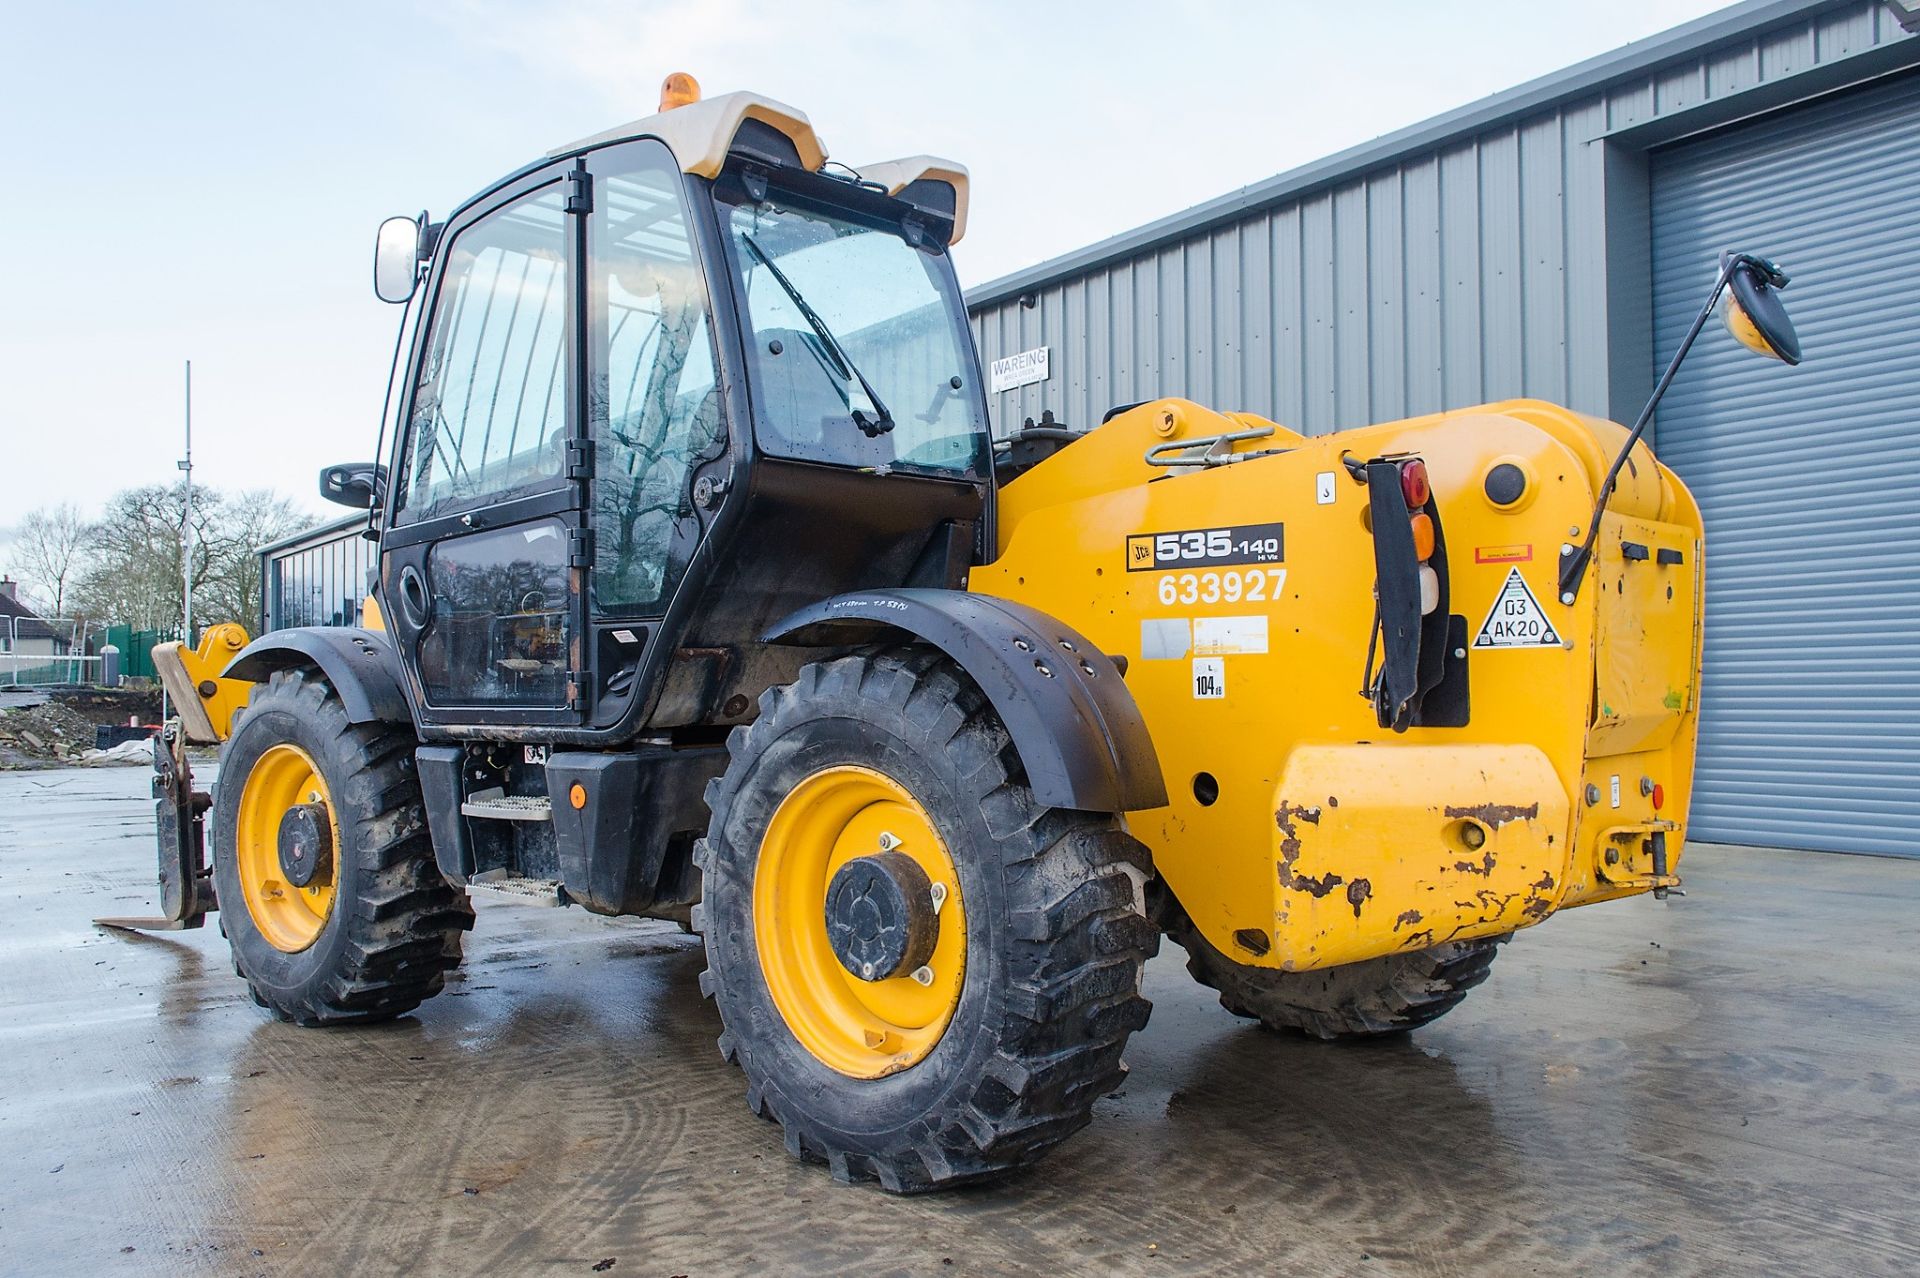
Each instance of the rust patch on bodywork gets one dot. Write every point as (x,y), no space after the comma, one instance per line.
(1407,919)
(1357,893)
(1290,853)
(1496,815)
(1538,906)
(1484,868)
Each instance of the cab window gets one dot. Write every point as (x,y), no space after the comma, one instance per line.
(489,406)
(894,332)
(652,401)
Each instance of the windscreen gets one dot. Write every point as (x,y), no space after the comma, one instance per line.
(853,330)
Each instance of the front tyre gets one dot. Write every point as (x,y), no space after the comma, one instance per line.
(329,894)
(927,976)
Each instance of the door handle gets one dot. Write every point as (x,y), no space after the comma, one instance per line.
(414,601)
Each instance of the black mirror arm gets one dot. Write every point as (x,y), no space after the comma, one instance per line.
(1574,560)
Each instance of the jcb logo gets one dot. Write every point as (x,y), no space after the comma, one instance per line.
(1139,552)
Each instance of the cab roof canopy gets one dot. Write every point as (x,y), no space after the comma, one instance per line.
(700,134)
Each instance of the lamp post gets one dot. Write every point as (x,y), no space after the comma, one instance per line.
(186,526)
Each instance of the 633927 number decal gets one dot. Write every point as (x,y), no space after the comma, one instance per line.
(1252,585)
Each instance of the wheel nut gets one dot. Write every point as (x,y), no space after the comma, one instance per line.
(923,975)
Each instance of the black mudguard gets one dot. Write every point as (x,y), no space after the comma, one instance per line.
(361,665)
(1080,735)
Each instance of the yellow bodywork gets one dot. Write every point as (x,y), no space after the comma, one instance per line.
(204,702)
(1300,834)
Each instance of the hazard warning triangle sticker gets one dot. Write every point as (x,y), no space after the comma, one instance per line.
(1517,619)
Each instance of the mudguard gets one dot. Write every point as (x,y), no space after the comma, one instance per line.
(360,664)
(1081,738)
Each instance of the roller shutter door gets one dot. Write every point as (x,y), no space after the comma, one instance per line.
(1809,477)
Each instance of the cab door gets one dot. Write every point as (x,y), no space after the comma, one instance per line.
(483,558)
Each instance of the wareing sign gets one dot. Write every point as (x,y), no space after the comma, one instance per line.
(1023,369)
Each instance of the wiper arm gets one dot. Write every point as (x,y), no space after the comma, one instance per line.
(873,417)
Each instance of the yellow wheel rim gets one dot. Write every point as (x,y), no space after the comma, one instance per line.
(866,1029)
(289,917)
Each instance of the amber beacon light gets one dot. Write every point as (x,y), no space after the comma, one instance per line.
(678,90)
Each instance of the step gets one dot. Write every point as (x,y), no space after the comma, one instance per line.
(497,805)
(511,886)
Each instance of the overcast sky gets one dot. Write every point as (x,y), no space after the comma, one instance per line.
(203,180)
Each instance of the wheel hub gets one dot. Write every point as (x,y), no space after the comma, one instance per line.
(880,916)
(306,844)
(831,896)
(284,841)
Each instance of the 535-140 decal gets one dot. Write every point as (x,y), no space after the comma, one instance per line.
(1207,547)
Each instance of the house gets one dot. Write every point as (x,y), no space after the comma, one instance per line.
(25,636)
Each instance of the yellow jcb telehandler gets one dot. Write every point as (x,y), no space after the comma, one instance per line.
(705,593)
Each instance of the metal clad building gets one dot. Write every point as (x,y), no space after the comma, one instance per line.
(1551,242)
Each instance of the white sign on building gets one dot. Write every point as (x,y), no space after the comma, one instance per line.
(1023,369)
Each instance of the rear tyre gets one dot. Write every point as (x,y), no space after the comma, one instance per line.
(1387,995)
(1028,973)
(329,894)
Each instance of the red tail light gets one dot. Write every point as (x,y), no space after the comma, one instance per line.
(1413,484)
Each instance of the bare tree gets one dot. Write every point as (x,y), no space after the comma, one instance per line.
(133,571)
(231,589)
(48,549)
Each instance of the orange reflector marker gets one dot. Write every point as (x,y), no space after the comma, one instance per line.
(577,796)
(1423,536)
(678,90)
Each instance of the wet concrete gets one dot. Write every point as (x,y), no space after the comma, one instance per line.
(1723,1084)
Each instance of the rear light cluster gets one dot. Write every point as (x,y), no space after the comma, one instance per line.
(1416,488)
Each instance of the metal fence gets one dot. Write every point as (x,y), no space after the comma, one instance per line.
(44,650)
(136,648)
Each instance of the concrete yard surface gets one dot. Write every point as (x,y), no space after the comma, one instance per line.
(1726,1083)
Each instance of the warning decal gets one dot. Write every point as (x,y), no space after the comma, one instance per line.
(1517,620)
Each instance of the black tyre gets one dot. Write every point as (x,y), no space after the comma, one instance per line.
(1038,949)
(1387,995)
(328,890)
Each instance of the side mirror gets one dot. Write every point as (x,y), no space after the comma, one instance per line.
(1754,313)
(396,257)
(361,485)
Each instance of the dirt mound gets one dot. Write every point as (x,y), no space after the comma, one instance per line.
(43,727)
(35,736)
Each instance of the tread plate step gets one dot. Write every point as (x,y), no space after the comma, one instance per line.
(497,805)
(532,891)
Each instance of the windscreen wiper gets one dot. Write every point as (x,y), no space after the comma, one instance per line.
(871,417)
